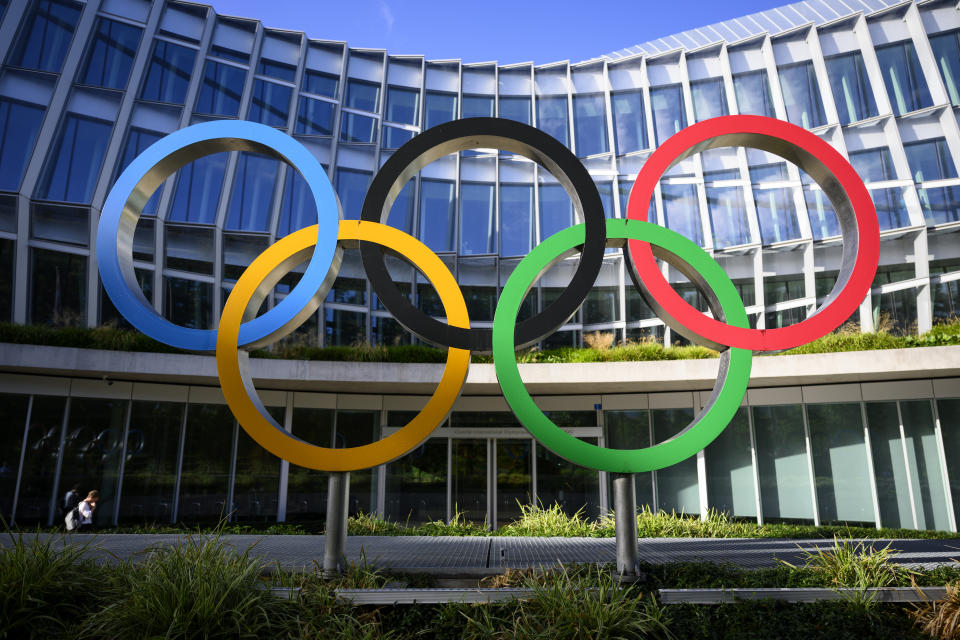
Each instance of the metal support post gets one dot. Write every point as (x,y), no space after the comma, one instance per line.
(625,526)
(335,539)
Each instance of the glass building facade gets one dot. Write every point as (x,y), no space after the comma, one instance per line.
(86,86)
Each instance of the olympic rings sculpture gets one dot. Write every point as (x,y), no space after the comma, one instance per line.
(727,329)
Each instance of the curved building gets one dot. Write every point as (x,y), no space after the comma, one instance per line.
(853,437)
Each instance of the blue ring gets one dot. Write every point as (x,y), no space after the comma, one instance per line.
(148,170)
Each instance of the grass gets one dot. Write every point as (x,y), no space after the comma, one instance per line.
(203,588)
(848,338)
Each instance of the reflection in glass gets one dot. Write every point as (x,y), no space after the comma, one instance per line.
(730,486)
(514,478)
(889,467)
(73,167)
(351,186)
(681,210)
(270,104)
(197,192)
(437,222)
(840,465)
(801,95)
(753,93)
(478,232)
(45,36)
(207,453)
(188,303)
(930,160)
(7,256)
(257,477)
(946,52)
(823,218)
(253,185)
(279,70)
(896,311)
(669,116)
(385,330)
(354,429)
(551,117)
(709,99)
(728,216)
(851,87)
(307,488)
(476,106)
(297,208)
(516,219)
(923,460)
(13,415)
(315,117)
(320,83)
(58,287)
(343,327)
(630,429)
(168,75)
(362,95)
(556,210)
(439,108)
(221,89)
(40,461)
(110,54)
(394,137)
(468,472)
(19,125)
(677,486)
(416,484)
(628,120)
(515,108)
(785,491)
(948,411)
(137,141)
(150,470)
(574,488)
(402,105)
(906,86)
(357,128)
(589,125)
(776,214)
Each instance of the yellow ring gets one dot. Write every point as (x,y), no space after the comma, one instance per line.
(233,366)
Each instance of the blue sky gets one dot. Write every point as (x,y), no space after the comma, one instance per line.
(508,31)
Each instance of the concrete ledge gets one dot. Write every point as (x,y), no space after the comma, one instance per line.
(430,596)
(404,378)
(725,596)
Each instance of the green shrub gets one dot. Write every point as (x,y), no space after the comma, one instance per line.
(855,564)
(198,588)
(46,587)
(549,521)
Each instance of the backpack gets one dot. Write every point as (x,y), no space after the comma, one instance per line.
(72,521)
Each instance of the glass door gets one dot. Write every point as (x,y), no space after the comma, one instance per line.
(514,485)
(468,473)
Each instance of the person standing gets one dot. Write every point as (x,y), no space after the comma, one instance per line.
(71,499)
(86,508)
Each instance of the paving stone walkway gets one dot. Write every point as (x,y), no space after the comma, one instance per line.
(451,554)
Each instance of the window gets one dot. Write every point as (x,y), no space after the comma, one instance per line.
(403,105)
(823,218)
(440,108)
(873,165)
(7,251)
(516,219)
(668,112)
(437,214)
(394,138)
(252,195)
(150,470)
(776,214)
(357,128)
(19,125)
(362,95)
(478,230)
(729,463)
(476,107)
(556,210)
(590,125)
(351,186)
(278,70)
(315,117)
(205,474)
(168,73)
(13,412)
(930,160)
(343,327)
(851,87)
(891,208)
(198,190)
(58,288)
(629,123)
(72,169)
(682,210)
(728,216)
(297,208)
(320,83)
(785,490)
(110,54)
(676,485)
(709,99)
(515,108)
(906,86)
(753,93)
(188,303)
(271,103)
(227,53)
(45,36)
(782,288)
(840,463)
(946,51)
(552,117)
(403,209)
(221,89)
(801,95)
(137,141)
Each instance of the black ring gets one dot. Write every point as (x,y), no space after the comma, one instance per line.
(485,133)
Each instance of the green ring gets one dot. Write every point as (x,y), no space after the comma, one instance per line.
(711,421)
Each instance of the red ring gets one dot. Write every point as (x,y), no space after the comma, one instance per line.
(696,138)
